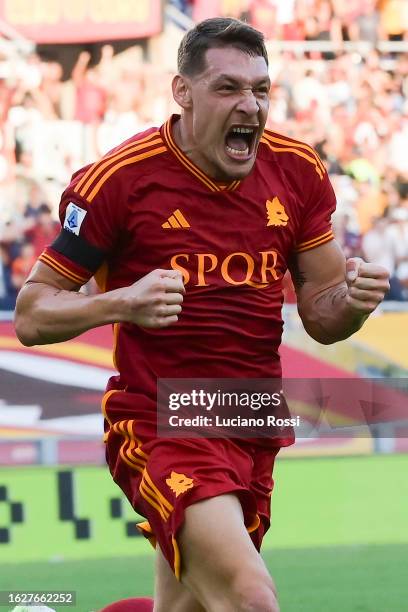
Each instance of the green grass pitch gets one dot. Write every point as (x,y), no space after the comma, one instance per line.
(338,543)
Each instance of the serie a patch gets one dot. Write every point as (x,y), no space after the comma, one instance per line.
(74,216)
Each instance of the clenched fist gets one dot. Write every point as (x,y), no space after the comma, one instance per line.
(154,300)
(367,284)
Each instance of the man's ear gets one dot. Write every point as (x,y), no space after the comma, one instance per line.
(181,87)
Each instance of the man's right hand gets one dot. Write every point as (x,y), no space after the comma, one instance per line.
(155,300)
(50,308)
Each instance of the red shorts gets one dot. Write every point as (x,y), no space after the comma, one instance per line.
(161,477)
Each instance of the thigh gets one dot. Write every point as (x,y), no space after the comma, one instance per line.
(181,473)
(169,593)
(218,559)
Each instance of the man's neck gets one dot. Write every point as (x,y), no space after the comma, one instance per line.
(182,135)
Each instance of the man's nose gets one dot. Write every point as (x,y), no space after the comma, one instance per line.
(248,103)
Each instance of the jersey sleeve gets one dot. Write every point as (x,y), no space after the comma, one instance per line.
(90,228)
(320,203)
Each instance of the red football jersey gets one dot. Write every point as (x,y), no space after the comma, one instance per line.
(146,206)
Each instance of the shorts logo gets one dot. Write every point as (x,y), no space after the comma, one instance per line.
(74,217)
(276,213)
(179,483)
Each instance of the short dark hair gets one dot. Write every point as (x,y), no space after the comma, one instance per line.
(217,32)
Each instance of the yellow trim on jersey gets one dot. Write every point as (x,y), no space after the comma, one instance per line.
(116,327)
(131,446)
(317,242)
(149,496)
(145,526)
(177,558)
(192,167)
(135,461)
(150,493)
(133,438)
(124,428)
(111,156)
(104,402)
(58,267)
(312,160)
(147,531)
(105,398)
(131,464)
(152,503)
(147,488)
(108,162)
(135,446)
(285,140)
(234,185)
(126,162)
(254,525)
(152,499)
(150,488)
(161,497)
(307,242)
(125,454)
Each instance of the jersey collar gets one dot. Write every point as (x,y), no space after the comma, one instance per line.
(212,185)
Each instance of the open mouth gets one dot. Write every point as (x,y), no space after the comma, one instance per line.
(240,141)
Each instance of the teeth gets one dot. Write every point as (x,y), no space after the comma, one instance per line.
(242,130)
(243,153)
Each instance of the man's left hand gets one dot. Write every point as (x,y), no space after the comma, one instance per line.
(367,285)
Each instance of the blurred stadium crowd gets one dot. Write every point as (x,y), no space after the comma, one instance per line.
(350,103)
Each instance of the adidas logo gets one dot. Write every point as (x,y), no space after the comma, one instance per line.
(176,221)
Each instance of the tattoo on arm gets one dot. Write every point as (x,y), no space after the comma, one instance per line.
(71,291)
(333,296)
(339,295)
(298,276)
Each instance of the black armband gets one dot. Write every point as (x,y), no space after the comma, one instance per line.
(78,250)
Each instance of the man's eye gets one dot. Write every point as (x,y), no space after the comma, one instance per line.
(227,88)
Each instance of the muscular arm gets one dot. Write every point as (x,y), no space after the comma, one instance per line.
(335,297)
(50,309)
